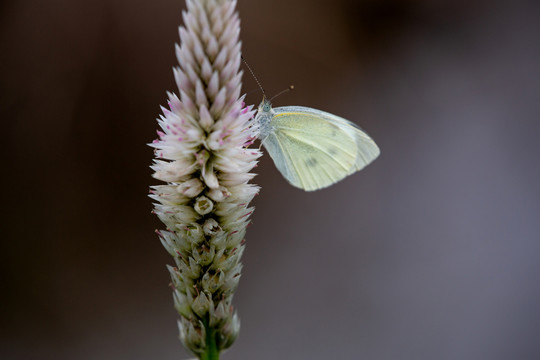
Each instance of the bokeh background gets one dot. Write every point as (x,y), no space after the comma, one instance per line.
(432,252)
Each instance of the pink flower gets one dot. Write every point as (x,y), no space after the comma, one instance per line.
(202,155)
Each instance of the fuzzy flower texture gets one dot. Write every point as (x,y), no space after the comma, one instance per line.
(202,154)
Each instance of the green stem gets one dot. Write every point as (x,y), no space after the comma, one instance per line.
(212,352)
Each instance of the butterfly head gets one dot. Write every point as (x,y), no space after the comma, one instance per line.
(265,107)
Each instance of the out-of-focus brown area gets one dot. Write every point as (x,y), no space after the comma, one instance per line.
(429,253)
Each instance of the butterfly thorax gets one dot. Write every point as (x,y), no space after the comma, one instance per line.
(265,113)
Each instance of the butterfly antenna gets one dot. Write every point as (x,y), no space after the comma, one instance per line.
(252,74)
(252,91)
(283,91)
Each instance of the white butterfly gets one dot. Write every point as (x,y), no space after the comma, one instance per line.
(313,149)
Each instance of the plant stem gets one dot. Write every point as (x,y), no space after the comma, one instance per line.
(212,352)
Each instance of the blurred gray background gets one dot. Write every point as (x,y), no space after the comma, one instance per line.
(432,252)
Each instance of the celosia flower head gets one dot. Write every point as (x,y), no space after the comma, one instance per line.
(202,155)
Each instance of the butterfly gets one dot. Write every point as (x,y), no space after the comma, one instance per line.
(311,148)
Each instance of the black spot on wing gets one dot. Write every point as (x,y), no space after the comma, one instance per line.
(311,162)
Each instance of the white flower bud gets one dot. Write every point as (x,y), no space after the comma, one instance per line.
(176,277)
(211,227)
(209,176)
(206,119)
(191,188)
(211,283)
(219,240)
(168,244)
(226,262)
(231,283)
(235,238)
(233,179)
(194,268)
(201,304)
(220,315)
(203,205)
(172,171)
(183,214)
(185,281)
(200,95)
(230,331)
(193,337)
(181,305)
(216,140)
(203,255)
(192,233)
(218,194)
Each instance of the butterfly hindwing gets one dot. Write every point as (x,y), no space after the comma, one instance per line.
(367,149)
(313,149)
